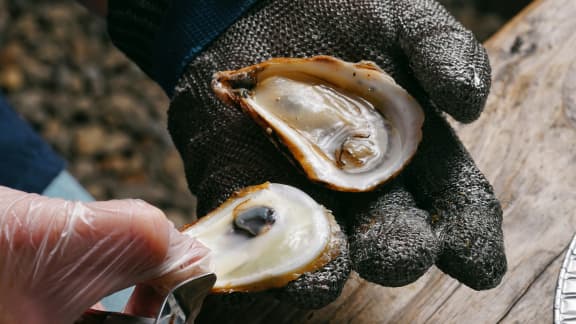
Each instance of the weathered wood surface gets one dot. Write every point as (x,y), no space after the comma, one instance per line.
(525,142)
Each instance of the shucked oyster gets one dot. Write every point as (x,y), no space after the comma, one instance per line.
(266,236)
(348,125)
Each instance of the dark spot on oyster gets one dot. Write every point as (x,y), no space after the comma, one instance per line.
(255,221)
(243,81)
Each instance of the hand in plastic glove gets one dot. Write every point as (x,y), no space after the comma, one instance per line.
(441,210)
(58,257)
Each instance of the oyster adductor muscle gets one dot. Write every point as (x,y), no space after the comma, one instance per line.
(266,236)
(347,125)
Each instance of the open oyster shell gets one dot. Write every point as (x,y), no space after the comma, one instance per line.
(266,236)
(347,125)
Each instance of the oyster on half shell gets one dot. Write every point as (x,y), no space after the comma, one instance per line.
(266,236)
(347,125)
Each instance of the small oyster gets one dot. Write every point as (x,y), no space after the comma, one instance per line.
(266,236)
(348,125)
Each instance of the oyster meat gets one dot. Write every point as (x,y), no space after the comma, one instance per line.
(347,125)
(266,236)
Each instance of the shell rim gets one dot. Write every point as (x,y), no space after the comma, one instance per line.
(221,86)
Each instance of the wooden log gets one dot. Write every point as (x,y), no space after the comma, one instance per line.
(525,143)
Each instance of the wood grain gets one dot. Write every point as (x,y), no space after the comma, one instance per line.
(525,143)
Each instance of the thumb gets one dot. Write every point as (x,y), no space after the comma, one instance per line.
(165,255)
(186,258)
(61,257)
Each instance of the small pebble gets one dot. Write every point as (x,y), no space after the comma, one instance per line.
(11,78)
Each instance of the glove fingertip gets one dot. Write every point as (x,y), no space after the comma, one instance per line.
(462,93)
(480,274)
(453,69)
(473,251)
(395,252)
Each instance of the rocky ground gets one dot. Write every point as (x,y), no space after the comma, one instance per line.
(98,110)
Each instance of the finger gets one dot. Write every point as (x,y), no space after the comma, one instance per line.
(186,257)
(145,301)
(147,225)
(467,217)
(391,241)
(447,60)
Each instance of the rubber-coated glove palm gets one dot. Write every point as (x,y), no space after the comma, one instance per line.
(440,210)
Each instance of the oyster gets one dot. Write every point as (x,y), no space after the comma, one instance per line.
(266,236)
(347,125)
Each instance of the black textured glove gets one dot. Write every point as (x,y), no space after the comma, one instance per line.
(440,210)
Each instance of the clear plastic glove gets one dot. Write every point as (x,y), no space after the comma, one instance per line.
(59,257)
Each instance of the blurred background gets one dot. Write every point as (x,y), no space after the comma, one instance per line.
(60,71)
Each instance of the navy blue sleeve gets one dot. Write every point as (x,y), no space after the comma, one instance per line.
(162,36)
(27,162)
(189,26)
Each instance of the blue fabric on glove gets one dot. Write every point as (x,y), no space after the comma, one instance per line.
(27,162)
(189,26)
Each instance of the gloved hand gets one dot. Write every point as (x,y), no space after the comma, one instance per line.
(59,257)
(441,210)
